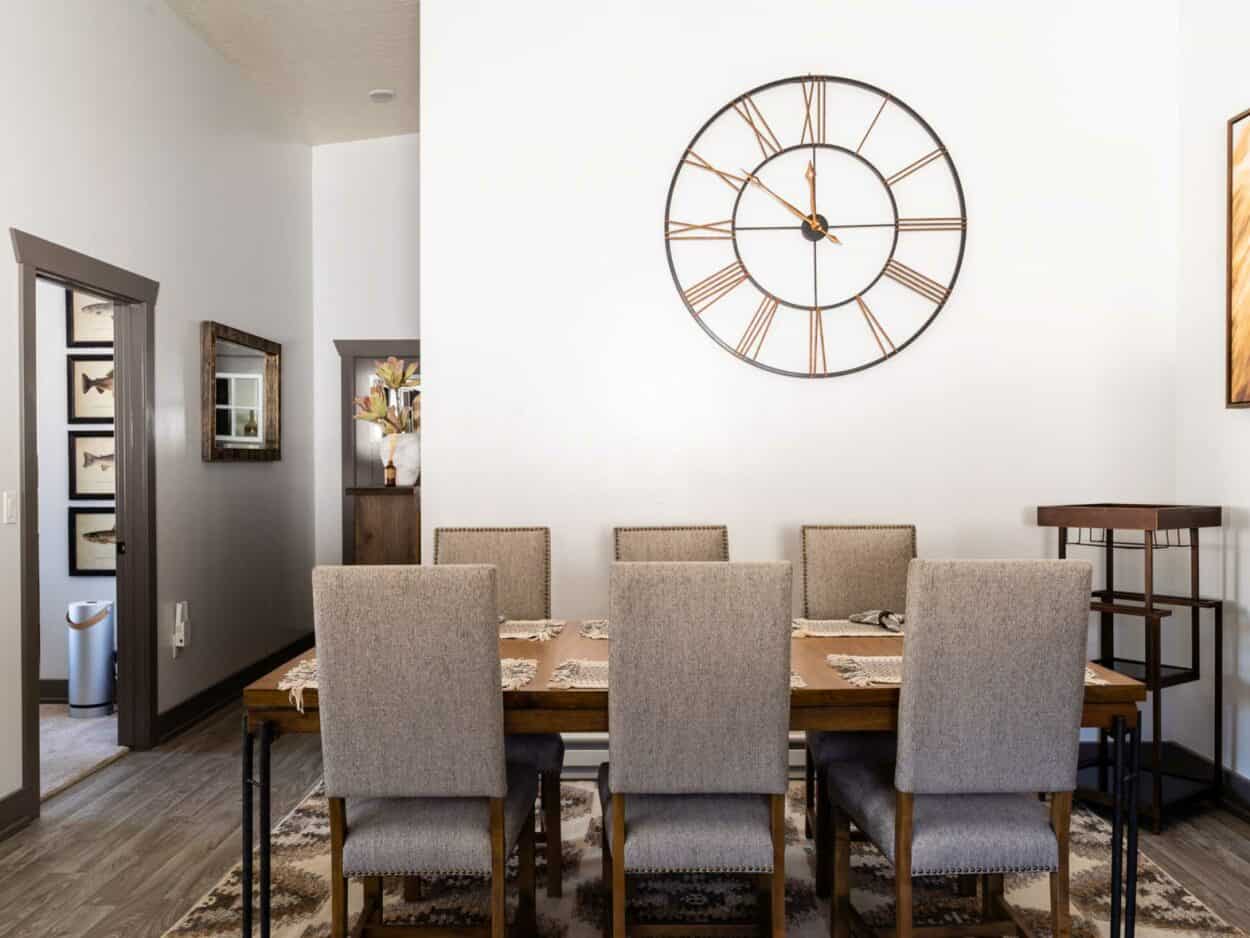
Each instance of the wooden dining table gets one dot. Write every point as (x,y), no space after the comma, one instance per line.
(827,702)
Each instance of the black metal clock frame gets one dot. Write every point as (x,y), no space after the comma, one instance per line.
(887,98)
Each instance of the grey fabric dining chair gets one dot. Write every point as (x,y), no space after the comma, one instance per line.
(523,558)
(847,569)
(989,717)
(706,542)
(699,709)
(412,736)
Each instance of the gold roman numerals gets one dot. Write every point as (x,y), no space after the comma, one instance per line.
(689,231)
(816,362)
(714,286)
(912,167)
(754,117)
(927,287)
(813,112)
(878,333)
(729,179)
(752,341)
(957,223)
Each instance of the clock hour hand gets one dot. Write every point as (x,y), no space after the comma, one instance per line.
(811,185)
(816,226)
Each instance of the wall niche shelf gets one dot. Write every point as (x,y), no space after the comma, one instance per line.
(1175,776)
(377,529)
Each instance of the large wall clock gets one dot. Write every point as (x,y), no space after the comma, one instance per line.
(815,226)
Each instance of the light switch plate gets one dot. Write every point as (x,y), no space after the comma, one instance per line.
(10,507)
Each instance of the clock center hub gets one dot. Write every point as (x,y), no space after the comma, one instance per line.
(811,233)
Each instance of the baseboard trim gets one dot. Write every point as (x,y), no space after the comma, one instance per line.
(178,718)
(53,690)
(16,811)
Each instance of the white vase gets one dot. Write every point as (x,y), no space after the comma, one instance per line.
(403,449)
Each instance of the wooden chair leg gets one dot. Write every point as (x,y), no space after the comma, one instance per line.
(338,885)
(966,886)
(992,896)
(777,902)
(606,857)
(412,888)
(618,866)
(840,904)
(903,804)
(498,911)
(551,827)
(809,791)
(1060,909)
(371,908)
(527,903)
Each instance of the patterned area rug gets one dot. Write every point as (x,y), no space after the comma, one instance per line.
(301,896)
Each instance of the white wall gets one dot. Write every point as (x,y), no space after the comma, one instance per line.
(1213,444)
(365,285)
(130,140)
(56,587)
(568,386)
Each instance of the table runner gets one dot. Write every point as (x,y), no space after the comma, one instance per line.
(887,670)
(837,628)
(583,674)
(534,630)
(514,673)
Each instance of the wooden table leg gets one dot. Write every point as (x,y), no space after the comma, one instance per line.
(1106,642)
(1154,663)
(245,877)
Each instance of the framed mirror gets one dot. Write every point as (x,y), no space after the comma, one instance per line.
(241,391)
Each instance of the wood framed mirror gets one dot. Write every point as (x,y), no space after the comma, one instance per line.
(241,395)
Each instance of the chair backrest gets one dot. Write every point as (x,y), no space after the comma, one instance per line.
(993,676)
(664,544)
(700,675)
(855,567)
(408,681)
(522,556)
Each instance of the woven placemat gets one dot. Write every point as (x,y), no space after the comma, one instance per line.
(594,628)
(514,673)
(580,674)
(837,628)
(886,670)
(534,630)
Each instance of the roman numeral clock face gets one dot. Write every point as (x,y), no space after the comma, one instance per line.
(815,226)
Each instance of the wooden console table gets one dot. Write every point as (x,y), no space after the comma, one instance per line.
(1162,527)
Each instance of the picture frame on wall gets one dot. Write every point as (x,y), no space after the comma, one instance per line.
(92,465)
(92,542)
(88,319)
(90,392)
(1237,365)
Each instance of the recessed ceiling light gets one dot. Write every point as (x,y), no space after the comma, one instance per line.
(382,95)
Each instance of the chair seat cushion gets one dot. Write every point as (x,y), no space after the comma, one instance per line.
(543,751)
(692,833)
(398,836)
(951,834)
(829,747)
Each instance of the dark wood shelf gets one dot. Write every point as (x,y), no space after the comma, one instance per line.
(1121,610)
(383,490)
(1130,517)
(1169,674)
(1162,599)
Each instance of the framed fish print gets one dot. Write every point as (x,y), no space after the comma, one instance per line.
(1237,365)
(92,542)
(92,470)
(90,397)
(88,319)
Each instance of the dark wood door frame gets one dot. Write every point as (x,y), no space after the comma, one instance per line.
(134,355)
(349,350)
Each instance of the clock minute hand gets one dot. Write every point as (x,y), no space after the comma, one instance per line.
(816,226)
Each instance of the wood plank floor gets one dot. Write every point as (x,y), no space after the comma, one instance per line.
(125,852)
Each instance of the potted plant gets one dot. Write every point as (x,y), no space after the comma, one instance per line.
(400,421)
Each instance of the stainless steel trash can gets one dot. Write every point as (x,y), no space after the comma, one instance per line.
(91,684)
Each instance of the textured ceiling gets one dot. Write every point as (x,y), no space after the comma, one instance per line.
(317,60)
